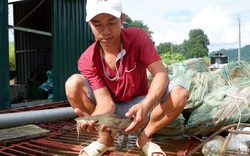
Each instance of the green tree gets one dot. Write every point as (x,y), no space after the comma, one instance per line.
(170,52)
(11,56)
(196,45)
(139,24)
(163,48)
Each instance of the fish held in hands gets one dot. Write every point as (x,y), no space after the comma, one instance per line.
(112,121)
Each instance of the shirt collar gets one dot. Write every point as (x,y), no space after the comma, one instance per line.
(121,54)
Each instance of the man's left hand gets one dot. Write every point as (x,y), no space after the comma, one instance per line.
(140,117)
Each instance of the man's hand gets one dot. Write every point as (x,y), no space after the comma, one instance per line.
(89,126)
(140,117)
(85,126)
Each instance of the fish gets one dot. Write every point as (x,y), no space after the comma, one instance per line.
(112,121)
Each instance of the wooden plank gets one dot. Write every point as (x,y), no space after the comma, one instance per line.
(21,133)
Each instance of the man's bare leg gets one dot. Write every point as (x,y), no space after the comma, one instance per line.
(76,94)
(163,114)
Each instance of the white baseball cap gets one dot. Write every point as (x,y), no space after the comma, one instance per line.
(95,7)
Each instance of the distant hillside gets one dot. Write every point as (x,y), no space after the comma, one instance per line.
(233,53)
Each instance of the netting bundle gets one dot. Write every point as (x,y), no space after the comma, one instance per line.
(179,69)
(215,98)
(197,85)
(226,106)
(194,74)
(237,74)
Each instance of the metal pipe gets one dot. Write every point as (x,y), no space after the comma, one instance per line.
(239,49)
(30,30)
(39,116)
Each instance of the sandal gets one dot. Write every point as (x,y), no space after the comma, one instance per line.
(96,149)
(150,148)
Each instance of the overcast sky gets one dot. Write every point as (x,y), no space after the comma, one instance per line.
(171,20)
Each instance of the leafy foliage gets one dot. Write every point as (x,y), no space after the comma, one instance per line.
(196,45)
(11,56)
(169,53)
(163,48)
(139,24)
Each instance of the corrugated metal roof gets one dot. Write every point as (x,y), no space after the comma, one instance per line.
(33,51)
(4,59)
(14,1)
(71,36)
(37,53)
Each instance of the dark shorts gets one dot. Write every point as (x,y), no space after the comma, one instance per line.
(123,107)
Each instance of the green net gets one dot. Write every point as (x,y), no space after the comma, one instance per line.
(236,74)
(231,105)
(179,69)
(226,99)
(216,98)
(194,74)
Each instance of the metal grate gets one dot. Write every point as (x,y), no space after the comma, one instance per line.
(62,140)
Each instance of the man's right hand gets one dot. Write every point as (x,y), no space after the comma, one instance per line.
(85,126)
(89,126)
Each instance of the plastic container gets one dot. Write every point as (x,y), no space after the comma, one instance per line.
(214,146)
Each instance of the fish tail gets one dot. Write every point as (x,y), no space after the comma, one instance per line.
(78,129)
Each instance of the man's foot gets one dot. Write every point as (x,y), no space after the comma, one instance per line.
(148,147)
(103,144)
(96,149)
(142,139)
